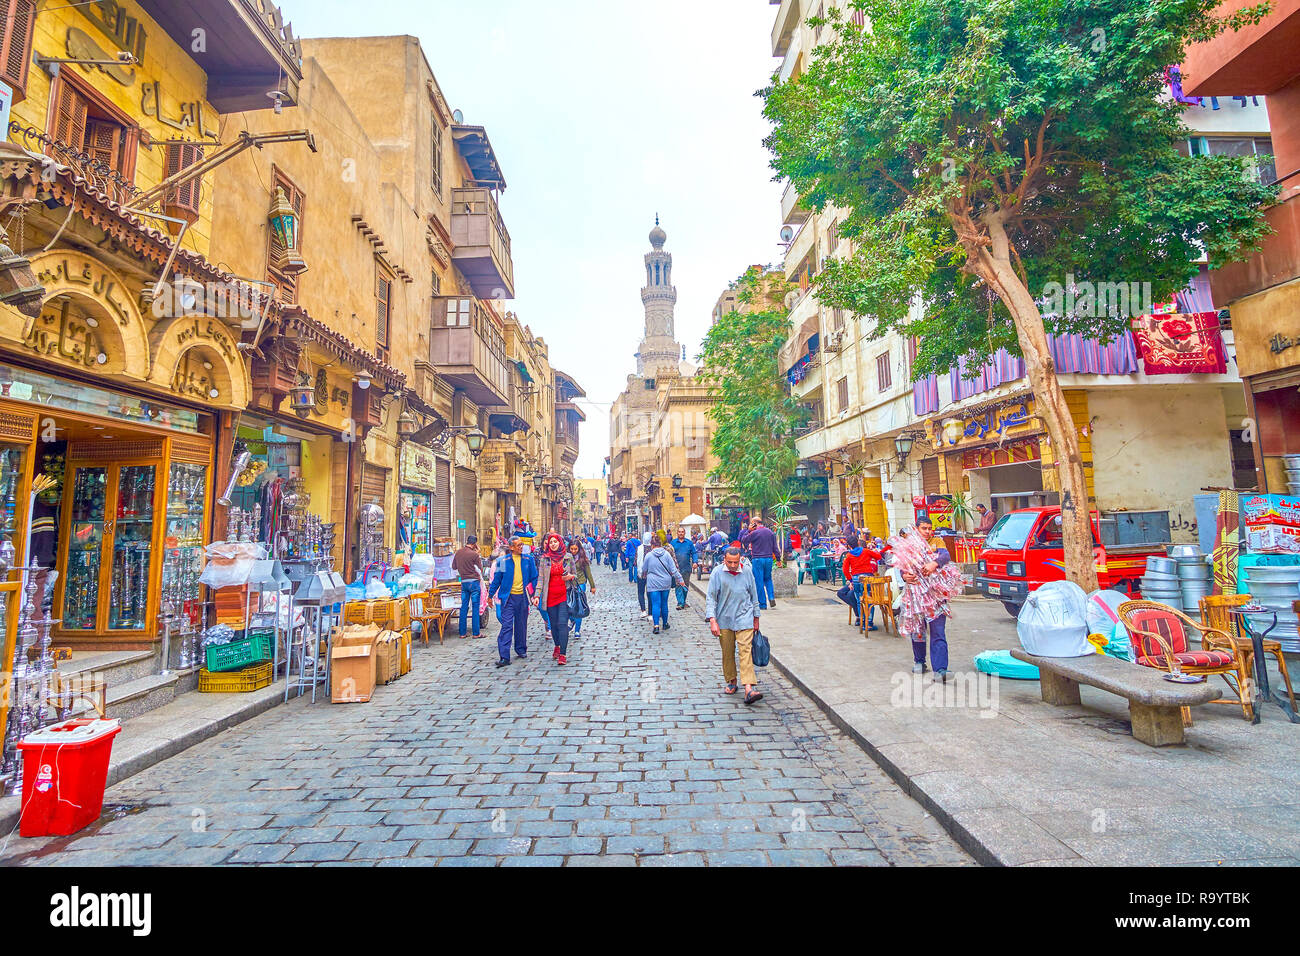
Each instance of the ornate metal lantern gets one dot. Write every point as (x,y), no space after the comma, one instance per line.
(284,224)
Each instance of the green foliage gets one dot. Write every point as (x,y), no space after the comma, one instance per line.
(949,117)
(755,416)
(964,514)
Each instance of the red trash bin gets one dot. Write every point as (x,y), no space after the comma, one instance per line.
(65,767)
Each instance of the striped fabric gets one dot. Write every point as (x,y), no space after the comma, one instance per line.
(1079,355)
(925,395)
(1158,622)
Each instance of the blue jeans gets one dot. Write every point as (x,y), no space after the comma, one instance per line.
(658,606)
(763,578)
(514,624)
(577,621)
(558,620)
(631,571)
(469,596)
(938,630)
(856,588)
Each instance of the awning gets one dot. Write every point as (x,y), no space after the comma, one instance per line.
(507,422)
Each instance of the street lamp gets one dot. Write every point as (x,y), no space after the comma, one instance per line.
(677,481)
(475,440)
(284,224)
(903,447)
(537,481)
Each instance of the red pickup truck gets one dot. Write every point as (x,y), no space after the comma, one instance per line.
(1024,551)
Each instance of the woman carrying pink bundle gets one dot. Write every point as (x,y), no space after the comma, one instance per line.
(931,579)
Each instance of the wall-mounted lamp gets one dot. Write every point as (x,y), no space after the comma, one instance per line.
(284,224)
(903,447)
(362,379)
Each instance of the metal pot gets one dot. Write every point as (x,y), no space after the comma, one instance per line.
(1162,565)
(1186,552)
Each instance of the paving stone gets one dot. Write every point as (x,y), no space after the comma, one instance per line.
(570,765)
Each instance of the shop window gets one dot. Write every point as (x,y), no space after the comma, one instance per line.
(884,375)
(286,286)
(16,45)
(383,308)
(842,394)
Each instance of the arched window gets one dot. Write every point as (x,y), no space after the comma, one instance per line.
(656,273)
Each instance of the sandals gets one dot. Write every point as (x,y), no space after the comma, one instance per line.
(753,697)
(731,688)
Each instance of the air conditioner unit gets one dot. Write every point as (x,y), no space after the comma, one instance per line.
(834,341)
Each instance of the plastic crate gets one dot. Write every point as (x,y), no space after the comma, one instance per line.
(231,657)
(235,682)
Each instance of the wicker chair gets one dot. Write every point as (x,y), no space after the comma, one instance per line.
(1160,639)
(427,608)
(878,592)
(1214,614)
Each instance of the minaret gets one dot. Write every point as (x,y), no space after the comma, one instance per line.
(659,349)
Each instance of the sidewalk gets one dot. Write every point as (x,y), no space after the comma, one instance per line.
(1019,782)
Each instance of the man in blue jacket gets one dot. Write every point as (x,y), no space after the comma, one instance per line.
(684,551)
(629,554)
(513,583)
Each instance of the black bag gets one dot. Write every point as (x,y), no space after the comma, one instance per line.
(577,601)
(760,650)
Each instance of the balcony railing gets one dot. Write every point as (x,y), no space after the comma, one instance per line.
(482,244)
(98,174)
(468,351)
(792,208)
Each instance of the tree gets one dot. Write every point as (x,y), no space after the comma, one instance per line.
(755,417)
(989,148)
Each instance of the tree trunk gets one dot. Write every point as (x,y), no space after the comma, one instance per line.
(1050,405)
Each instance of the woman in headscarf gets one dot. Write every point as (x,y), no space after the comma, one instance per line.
(585,579)
(555,570)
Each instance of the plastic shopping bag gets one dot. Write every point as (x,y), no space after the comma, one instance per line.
(1054,621)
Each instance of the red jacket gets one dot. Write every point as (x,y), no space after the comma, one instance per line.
(865,563)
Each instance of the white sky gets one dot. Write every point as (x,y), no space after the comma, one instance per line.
(602,113)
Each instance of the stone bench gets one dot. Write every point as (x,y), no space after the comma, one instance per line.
(1154,704)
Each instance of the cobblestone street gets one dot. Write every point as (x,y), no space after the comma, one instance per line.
(631,754)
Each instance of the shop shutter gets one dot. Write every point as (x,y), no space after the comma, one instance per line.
(442,499)
(19,18)
(374,485)
(929,476)
(466,502)
(183,200)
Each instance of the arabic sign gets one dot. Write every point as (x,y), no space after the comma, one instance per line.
(993,425)
(417,466)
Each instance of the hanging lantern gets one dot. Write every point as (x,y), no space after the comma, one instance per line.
(475,441)
(406,426)
(18,285)
(284,225)
(302,397)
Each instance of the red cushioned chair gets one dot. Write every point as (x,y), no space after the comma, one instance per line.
(1160,638)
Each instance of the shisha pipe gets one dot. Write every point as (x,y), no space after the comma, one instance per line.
(241,463)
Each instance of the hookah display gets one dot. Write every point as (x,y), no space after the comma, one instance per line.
(32,684)
(244,524)
(179,605)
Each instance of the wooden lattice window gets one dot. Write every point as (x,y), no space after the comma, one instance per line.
(383,308)
(884,375)
(286,285)
(19,18)
(183,200)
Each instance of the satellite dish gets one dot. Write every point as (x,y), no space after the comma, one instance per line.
(787,233)
(457,117)
(790,299)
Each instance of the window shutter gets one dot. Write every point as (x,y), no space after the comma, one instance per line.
(383,307)
(441,518)
(70,118)
(183,200)
(16,44)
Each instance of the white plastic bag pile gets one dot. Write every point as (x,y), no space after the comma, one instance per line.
(1054,621)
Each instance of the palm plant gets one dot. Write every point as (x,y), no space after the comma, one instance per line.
(963,510)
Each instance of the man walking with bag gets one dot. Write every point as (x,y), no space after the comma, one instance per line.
(732,611)
(684,552)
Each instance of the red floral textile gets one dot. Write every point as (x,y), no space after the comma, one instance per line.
(1180,343)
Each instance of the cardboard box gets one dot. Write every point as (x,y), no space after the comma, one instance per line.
(1272,539)
(400,619)
(388,657)
(352,673)
(357,612)
(406,651)
(1270,510)
(351,635)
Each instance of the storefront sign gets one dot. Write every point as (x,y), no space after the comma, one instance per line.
(1279,343)
(1020,451)
(190,331)
(95,281)
(994,422)
(418,466)
(57,334)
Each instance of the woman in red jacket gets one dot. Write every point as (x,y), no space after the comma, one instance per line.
(859,563)
(555,570)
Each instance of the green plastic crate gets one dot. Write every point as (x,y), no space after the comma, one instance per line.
(231,657)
